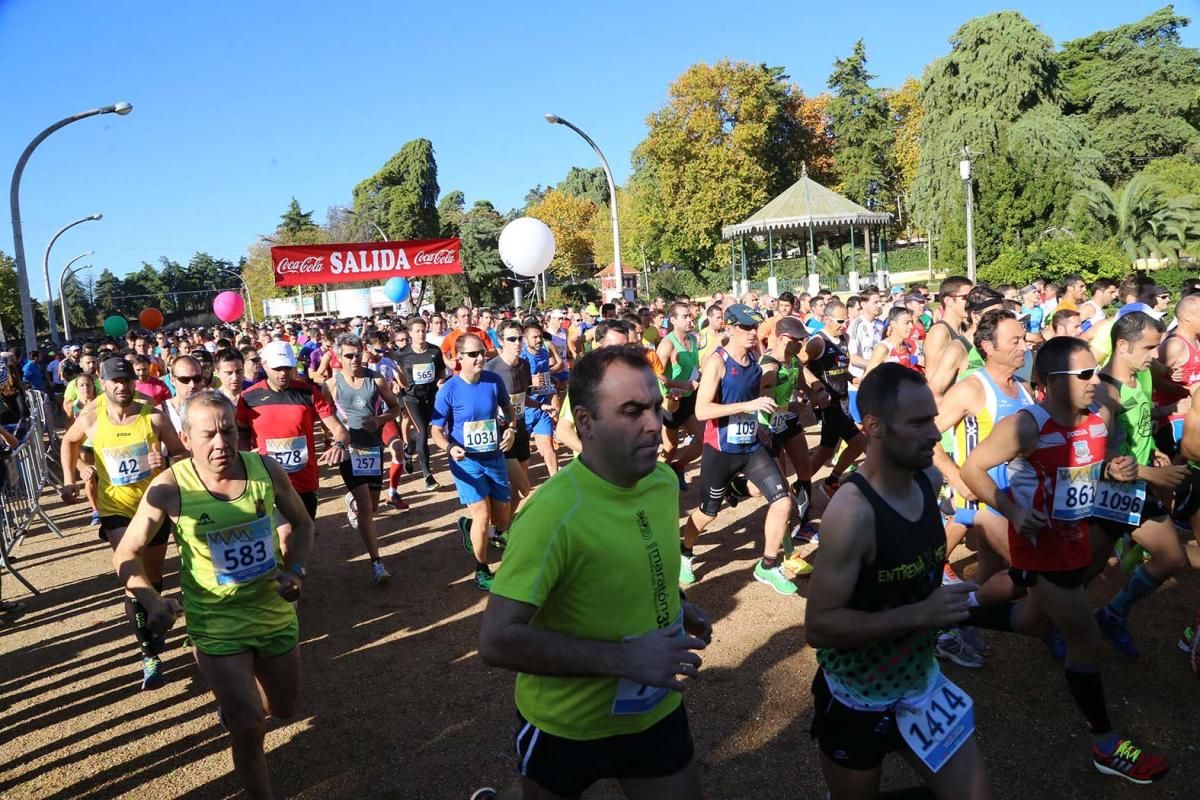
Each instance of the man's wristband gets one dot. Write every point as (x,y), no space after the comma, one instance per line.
(339,443)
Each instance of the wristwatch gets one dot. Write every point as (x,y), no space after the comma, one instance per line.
(299,571)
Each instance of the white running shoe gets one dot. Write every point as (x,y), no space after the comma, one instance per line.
(351,510)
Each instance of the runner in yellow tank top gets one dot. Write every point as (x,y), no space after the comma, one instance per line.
(239,577)
(126,438)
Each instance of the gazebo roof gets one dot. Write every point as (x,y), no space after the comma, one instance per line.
(806,204)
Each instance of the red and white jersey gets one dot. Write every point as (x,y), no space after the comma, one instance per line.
(1189,379)
(1059,479)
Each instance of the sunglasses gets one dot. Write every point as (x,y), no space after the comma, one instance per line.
(511,338)
(841,321)
(256,361)
(1082,374)
(472,353)
(350,356)
(186,379)
(748,327)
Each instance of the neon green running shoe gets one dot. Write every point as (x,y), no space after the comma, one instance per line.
(774,577)
(686,576)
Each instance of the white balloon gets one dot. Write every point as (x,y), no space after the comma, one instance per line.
(527,246)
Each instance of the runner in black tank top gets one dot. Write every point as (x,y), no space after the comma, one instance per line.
(874,614)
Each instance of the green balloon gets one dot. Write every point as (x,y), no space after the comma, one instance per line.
(115,326)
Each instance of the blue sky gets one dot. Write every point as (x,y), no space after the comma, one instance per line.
(238,106)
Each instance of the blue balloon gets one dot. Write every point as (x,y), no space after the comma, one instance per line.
(397,289)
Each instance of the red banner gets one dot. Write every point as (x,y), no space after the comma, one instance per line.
(308,264)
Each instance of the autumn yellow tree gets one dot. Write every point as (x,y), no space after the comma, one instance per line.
(904,105)
(570,219)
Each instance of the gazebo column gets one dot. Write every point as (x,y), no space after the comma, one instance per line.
(852,278)
(745,282)
(867,243)
(772,283)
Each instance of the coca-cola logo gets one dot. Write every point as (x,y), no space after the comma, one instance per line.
(427,258)
(287,266)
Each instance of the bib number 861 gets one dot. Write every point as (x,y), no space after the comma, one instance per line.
(1078,496)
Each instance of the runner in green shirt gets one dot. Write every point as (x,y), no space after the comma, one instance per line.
(1135,512)
(586,608)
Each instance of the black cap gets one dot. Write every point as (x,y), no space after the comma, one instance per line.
(117,369)
(741,314)
(791,326)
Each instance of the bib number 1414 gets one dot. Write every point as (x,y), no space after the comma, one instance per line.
(936,728)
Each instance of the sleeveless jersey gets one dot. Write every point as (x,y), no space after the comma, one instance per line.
(539,364)
(709,341)
(559,340)
(904,354)
(228,550)
(686,366)
(786,376)
(909,557)
(122,461)
(355,406)
(1191,377)
(1059,479)
(1135,426)
(832,369)
(976,427)
(737,433)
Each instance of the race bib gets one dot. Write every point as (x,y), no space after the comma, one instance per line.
(638,698)
(936,728)
(366,461)
(479,436)
(743,429)
(1120,502)
(127,465)
(1075,492)
(517,401)
(541,384)
(242,553)
(291,453)
(423,374)
(779,421)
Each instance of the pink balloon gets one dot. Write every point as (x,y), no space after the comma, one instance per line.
(228,306)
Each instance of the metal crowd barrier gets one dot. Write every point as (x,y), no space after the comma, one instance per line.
(24,476)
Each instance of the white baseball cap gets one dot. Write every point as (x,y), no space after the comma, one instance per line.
(278,354)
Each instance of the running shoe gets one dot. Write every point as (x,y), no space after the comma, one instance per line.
(464,528)
(486,793)
(805,534)
(774,577)
(498,540)
(950,645)
(1058,647)
(949,576)
(1185,642)
(379,573)
(351,510)
(431,485)
(830,485)
(397,502)
(1113,627)
(95,518)
(686,576)
(973,638)
(1130,555)
(1130,762)
(796,565)
(152,677)
(483,580)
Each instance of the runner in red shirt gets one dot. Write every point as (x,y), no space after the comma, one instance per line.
(1055,453)
(280,415)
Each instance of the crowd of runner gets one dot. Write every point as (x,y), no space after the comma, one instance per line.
(1048,428)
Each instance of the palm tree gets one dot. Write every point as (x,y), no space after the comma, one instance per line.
(1142,217)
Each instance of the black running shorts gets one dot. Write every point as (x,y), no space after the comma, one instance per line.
(835,425)
(111,522)
(687,409)
(852,739)
(567,767)
(520,446)
(718,468)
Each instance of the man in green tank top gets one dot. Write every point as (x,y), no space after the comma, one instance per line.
(239,578)
(1135,512)
(679,352)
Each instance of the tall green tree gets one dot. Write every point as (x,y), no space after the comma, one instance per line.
(1139,89)
(451,212)
(107,294)
(402,196)
(862,131)
(590,183)
(294,220)
(998,92)
(10,306)
(730,136)
(78,304)
(484,271)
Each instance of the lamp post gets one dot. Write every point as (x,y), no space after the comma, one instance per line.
(382,236)
(46,273)
(612,200)
(62,290)
(14,202)
(246,286)
(964,171)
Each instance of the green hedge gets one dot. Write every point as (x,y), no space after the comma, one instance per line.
(1054,259)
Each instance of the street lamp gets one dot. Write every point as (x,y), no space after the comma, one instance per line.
(14,202)
(46,272)
(964,172)
(249,301)
(62,290)
(612,200)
